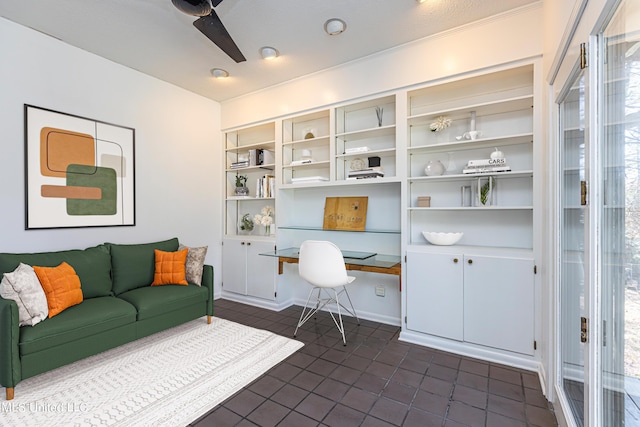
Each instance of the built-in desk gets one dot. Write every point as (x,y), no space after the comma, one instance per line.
(354,260)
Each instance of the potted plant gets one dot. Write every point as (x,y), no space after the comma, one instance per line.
(241,186)
(246,224)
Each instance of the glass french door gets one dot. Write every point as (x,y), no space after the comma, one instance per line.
(618,213)
(599,262)
(573,246)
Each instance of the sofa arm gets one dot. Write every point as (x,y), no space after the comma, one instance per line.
(10,367)
(207,280)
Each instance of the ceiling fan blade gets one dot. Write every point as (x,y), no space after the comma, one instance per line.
(193,7)
(211,26)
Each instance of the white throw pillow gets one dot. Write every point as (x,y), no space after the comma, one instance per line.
(23,287)
(194,263)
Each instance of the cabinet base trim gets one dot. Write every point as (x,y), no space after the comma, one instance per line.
(471,350)
(366,315)
(256,302)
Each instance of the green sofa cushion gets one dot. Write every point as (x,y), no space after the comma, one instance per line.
(133,265)
(93,266)
(91,317)
(153,301)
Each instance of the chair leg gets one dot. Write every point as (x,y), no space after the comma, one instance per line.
(208,320)
(10,393)
(303,319)
(351,304)
(341,327)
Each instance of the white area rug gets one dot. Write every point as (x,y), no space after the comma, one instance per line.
(167,379)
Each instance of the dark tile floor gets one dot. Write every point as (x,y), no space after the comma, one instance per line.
(375,380)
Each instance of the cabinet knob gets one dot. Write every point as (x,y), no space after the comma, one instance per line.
(455,260)
(470,261)
(242,243)
(248,243)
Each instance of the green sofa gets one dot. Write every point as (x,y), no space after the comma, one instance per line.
(118,306)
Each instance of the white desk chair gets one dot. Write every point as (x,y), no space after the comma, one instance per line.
(322,265)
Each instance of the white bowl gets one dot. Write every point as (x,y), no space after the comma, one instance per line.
(442,239)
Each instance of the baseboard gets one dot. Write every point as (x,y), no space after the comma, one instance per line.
(365,315)
(473,350)
(256,302)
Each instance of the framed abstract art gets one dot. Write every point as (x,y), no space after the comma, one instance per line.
(80,172)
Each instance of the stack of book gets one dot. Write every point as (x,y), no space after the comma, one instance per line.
(265,186)
(374,172)
(486,166)
(240,164)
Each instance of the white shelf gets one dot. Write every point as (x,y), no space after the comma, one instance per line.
(252,168)
(307,165)
(342,183)
(247,198)
(389,151)
(258,145)
(484,109)
(464,144)
(367,133)
(308,141)
(466,177)
(473,208)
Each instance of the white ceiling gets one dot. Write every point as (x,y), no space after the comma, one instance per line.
(152,36)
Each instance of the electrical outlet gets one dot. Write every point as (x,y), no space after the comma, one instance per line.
(380,290)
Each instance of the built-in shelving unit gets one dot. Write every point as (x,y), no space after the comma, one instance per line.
(238,144)
(369,126)
(317,153)
(499,107)
(306,148)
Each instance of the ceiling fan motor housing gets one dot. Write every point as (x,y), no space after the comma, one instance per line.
(193,7)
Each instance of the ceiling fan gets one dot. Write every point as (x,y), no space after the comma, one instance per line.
(210,25)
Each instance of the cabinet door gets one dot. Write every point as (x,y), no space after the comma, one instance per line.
(261,270)
(499,302)
(434,294)
(234,266)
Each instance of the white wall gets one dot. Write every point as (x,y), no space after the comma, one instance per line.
(500,39)
(177,140)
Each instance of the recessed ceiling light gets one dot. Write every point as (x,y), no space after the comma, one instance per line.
(219,73)
(335,26)
(268,52)
(421,1)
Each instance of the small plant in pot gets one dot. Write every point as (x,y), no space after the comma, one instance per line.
(241,186)
(246,224)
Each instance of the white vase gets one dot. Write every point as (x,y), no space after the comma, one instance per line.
(434,168)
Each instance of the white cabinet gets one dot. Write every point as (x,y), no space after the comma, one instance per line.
(499,302)
(435,294)
(245,272)
(475,296)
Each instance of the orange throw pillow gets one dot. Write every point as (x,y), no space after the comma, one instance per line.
(61,286)
(170,268)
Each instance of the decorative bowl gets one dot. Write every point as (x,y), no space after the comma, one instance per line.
(442,239)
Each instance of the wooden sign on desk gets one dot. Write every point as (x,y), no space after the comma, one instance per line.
(345,213)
